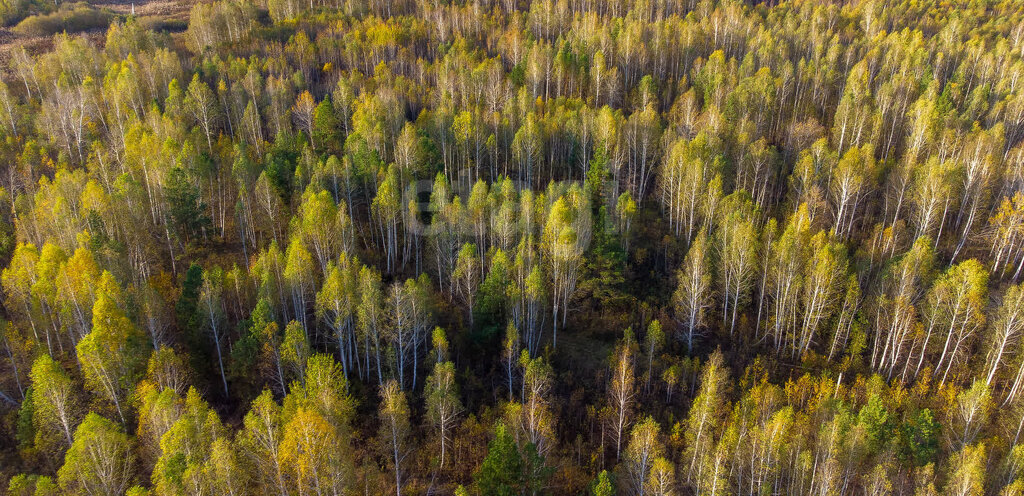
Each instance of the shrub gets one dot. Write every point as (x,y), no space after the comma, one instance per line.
(72,19)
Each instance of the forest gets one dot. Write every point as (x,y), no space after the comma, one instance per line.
(515,247)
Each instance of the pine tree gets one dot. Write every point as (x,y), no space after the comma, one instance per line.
(501,472)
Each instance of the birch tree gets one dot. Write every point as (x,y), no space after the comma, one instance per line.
(687,168)
(849,183)
(211,300)
(299,278)
(111,354)
(932,192)
(443,405)
(566,237)
(56,407)
(692,297)
(326,227)
(532,418)
(394,429)
(644,448)
(703,419)
(202,105)
(100,461)
(622,393)
(387,207)
(466,277)
(336,304)
(737,249)
(310,455)
(1004,339)
(510,355)
(370,312)
(897,311)
(955,311)
(787,263)
(822,288)
(968,472)
(661,480)
(260,437)
(1007,236)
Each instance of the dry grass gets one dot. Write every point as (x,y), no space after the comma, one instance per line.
(166,9)
(170,15)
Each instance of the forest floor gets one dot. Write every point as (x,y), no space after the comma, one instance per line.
(9,40)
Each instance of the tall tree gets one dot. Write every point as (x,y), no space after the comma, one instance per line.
(737,236)
(622,391)
(443,404)
(56,406)
(394,429)
(336,304)
(566,237)
(704,417)
(850,182)
(310,454)
(260,437)
(654,340)
(466,277)
(1007,327)
(955,311)
(692,297)
(100,461)
(211,303)
(370,311)
(823,287)
(202,105)
(643,449)
(113,353)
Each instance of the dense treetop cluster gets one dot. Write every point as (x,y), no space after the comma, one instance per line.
(647,247)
